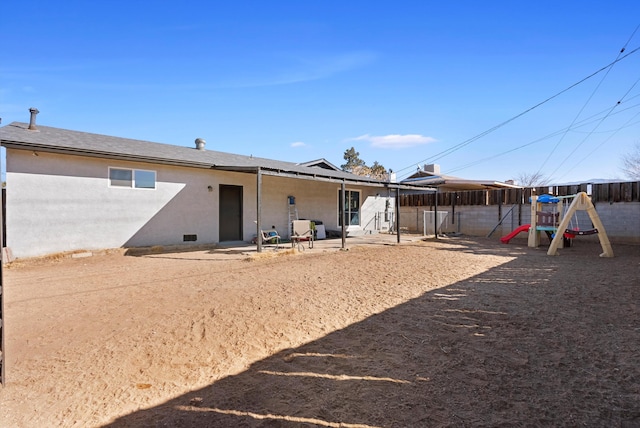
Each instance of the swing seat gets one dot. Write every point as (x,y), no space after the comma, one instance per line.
(582,202)
(578,232)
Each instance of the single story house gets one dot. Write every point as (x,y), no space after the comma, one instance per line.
(68,190)
(430,175)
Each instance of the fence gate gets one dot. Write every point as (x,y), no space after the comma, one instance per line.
(429,221)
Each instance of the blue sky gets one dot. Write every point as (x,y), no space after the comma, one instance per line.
(405,82)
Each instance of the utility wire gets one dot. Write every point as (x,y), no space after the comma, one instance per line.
(584,122)
(594,118)
(606,140)
(595,90)
(459,146)
(590,133)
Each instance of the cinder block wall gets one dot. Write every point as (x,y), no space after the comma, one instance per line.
(621,220)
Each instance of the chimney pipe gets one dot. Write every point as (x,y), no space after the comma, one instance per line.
(200,143)
(32,120)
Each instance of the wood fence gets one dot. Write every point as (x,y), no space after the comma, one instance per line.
(607,192)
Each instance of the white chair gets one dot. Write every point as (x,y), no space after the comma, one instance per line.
(271,237)
(301,230)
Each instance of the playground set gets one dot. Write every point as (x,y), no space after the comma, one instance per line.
(558,223)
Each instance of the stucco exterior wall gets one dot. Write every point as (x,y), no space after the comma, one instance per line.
(316,200)
(61,203)
(58,203)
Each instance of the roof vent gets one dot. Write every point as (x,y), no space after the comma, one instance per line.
(32,120)
(433,168)
(200,143)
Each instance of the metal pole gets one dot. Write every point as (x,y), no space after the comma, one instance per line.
(259,209)
(453,207)
(519,192)
(342,214)
(435,215)
(3,323)
(398,214)
(499,204)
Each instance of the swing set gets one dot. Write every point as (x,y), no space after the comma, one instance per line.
(559,225)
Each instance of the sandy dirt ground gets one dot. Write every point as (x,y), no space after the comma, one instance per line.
(457,332)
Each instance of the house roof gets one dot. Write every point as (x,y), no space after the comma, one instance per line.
(16,135)
(452,184)
(321,163)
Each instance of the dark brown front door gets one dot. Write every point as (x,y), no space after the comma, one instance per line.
(230,213)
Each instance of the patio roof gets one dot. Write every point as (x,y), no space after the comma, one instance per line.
(450,183)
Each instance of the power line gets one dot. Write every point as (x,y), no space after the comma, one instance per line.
(459,146)
(606,140)
(584,106)
(595,127)
(584,122)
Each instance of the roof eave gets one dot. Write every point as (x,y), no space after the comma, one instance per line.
(19,145)
(313,173)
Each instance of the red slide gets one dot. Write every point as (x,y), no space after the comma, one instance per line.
(509,237)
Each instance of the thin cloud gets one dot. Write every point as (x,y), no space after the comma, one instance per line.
(395,141)
(277,69)
(304,68)
(298,144)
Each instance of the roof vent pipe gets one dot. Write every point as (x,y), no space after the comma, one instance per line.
(200,143)
(32,120)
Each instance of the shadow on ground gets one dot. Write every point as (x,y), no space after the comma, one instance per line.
(538,341)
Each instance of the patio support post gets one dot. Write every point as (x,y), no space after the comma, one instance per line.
(519,193)
(453,208)
(3,313)
(398,214)
(259,209)
(341,210)
(435,215)
(500,204)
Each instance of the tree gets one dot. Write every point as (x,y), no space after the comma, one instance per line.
(378,171)
(631,163)
(535,179)
(354,162)
(357,166)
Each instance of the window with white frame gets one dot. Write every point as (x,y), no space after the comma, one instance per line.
(350,212)
(132,178)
